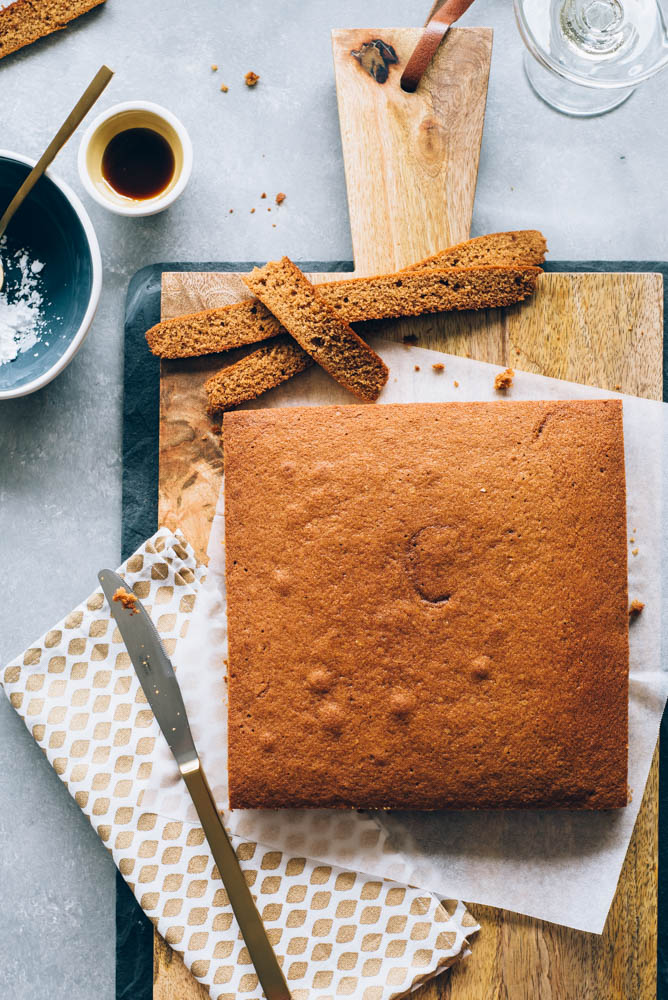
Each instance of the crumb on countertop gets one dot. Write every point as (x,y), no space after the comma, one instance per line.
(280,198)
(635,607)
(504,380)
(224,88)
(468,355)
(438,367)
(618,388)
(127,599)
(251,78)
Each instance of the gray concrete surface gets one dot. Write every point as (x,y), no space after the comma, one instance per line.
(595,187)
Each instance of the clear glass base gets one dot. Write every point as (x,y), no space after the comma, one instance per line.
(572,98)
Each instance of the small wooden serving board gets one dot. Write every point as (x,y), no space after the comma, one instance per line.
(407,201)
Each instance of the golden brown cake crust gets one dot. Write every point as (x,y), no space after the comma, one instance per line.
(226,327)
(427,605)
(258,372)
(24,21)
(317,328)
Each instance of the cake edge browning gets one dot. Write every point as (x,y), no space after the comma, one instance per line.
(245,795)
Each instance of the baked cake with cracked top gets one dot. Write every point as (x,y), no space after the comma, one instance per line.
(427,606)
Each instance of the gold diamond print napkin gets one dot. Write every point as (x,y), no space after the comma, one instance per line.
(336,932)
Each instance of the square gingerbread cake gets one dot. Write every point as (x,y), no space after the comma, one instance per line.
(427,606)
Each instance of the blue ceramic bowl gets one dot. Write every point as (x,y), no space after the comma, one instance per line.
(53,227)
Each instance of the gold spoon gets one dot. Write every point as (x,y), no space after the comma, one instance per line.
(71,123)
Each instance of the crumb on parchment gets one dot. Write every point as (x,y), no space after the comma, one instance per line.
(280,198)
(127,599)
(634,552)
(263,195)
(504,380)
(456,385)
(417,368)
(635,608)
(251,78)
(224,88)
(438,367)
(214,67)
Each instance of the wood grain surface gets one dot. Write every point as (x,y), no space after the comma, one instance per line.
(411,159)
(595,328)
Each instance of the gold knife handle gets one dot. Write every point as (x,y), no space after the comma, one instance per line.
(260,950)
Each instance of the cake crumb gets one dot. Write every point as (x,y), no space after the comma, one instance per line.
(231,211)
(273,225)
(280,198)
(214,67)
(634,552)
(438,367)
(252,210)
(269,209)
(224,88)
(456,385)
(127,599)
(251,78)
(618,388)
(504,380)
(635,608)
(263,195)
(631,541)
(467,355)
(417,368)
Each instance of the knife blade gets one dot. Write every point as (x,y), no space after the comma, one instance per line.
(433,34)
(158,680)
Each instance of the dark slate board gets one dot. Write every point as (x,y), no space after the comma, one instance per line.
(134,932)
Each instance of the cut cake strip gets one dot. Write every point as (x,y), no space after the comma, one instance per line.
(525,246)
(413,293)
(227,327)
(24,21)
(258,372)
(330,341)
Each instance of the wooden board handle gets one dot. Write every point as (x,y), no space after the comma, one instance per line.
(411,160)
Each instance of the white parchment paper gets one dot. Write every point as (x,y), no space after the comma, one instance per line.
(556,865)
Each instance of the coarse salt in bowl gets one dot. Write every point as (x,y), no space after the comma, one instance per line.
(53,278)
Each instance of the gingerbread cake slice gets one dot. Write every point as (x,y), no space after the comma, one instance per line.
(255,374)
(24,21)
(247,322)
(330,341)
(427,606)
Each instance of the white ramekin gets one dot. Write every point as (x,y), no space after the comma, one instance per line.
(133,114)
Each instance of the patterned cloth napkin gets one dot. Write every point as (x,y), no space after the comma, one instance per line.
(336,932)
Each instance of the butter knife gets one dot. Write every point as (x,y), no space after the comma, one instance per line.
(157,678)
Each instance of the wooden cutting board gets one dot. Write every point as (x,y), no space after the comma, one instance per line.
(410,170)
